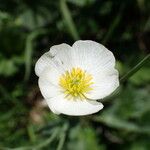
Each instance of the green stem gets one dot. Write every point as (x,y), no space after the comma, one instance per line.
(31,133)
(48,141)
(135,69)
(29,50)
(113,25)
(112,28)
(68,20)
(62,137)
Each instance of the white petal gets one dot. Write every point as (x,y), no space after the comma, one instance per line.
(48,89)
(56,57)
(104,84)
(59,105)
(92,56)
(54,110)
(62,54)
(43,62)
(51,76)
(60,49)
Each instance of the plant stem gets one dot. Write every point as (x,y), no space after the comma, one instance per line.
(29,49)
(62,137)
(135,69)
(68,20)
(114,25)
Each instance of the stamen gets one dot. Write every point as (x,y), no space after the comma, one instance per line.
(76,83)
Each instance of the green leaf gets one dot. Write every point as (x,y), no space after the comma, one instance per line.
(132,104)
(83,138)
(8,67)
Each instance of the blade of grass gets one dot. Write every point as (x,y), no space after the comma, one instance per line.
(118,123)
(125,77)
(49,140)
(62,137)
(113,26)
(135,69)
(38,146)
(31,133)
(68,20)
(29,49)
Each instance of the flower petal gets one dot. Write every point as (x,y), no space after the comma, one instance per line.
(56,57)
(48,89)
(104,84)
(43,62)
(59,104)
(51,76)
(92,56)
(62,54)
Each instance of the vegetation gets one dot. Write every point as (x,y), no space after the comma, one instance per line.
(30,28)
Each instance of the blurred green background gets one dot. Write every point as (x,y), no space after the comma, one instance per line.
(29,28)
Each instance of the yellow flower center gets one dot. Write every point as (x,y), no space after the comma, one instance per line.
(76,83)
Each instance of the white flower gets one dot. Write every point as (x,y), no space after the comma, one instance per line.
(71,79)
